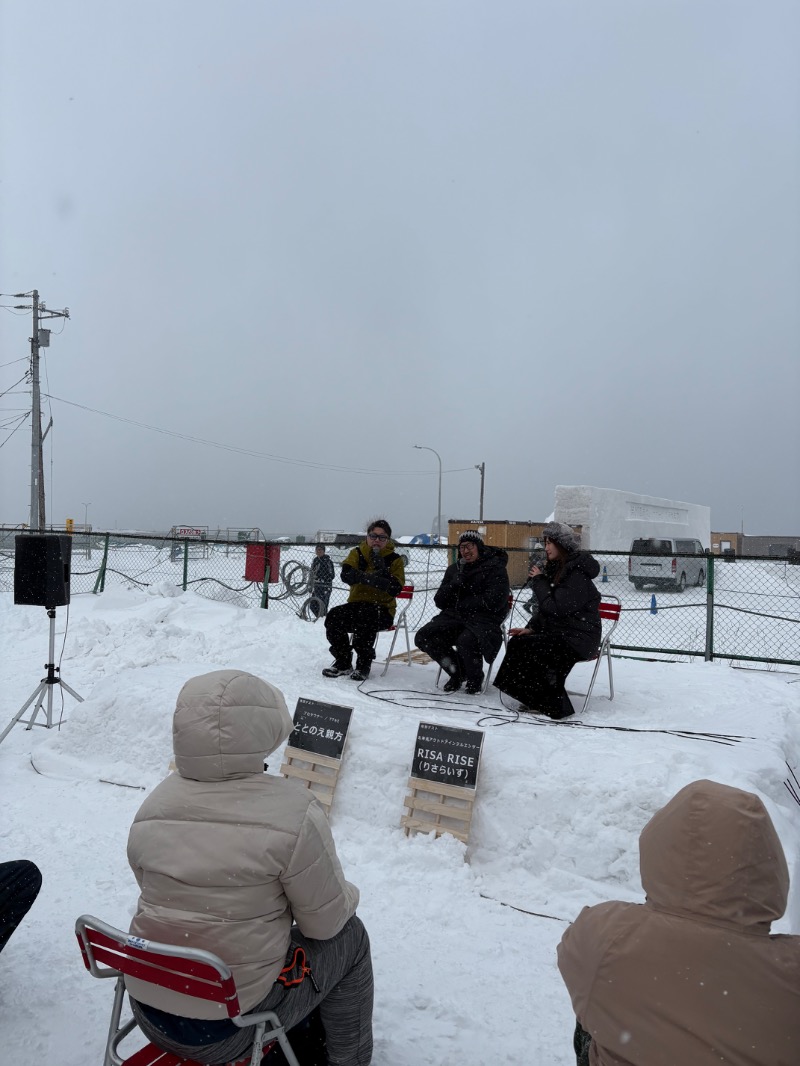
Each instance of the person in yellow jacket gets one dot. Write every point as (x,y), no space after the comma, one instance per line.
(375,573)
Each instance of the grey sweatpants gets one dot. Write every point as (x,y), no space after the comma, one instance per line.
(342,970)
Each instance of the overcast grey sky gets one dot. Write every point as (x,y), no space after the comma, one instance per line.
(559,238)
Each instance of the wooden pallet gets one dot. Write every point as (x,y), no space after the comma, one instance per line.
(417,656)
(439,808)
(320,773)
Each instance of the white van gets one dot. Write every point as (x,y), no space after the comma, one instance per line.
(666,563)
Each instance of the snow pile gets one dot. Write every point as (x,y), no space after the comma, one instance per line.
(458,933)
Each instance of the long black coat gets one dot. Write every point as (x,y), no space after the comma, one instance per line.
(570,608)
(476,595)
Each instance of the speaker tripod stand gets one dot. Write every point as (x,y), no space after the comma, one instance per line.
(43,693)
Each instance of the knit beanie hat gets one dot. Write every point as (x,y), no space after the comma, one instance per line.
(473,536)
(563,535)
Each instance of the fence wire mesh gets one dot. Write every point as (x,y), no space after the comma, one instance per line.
(743,609)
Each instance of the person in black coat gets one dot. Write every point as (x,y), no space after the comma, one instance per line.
(565,630)
(473,601)
(322,574)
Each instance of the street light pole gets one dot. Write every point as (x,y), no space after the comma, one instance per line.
(482,468)
(425,448)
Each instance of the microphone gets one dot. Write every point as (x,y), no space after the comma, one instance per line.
(537,559)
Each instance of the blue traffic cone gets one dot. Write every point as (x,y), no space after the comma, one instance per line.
(605,575)
(653,606)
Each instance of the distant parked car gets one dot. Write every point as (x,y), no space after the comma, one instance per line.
(665,563)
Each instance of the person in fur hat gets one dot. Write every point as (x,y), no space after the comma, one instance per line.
(472,601)
(565,630)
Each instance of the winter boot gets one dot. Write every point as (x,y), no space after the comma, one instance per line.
(453,685)
(340,666)
(564,710)
(473,685)
(361,672)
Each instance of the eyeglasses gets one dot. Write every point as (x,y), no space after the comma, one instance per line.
(377,536)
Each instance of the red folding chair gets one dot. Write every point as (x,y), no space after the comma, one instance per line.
(108,952)
(610,609)
(404,598)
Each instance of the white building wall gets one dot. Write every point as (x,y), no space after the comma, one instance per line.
(612,519)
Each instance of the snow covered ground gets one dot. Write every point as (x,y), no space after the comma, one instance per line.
(463,938)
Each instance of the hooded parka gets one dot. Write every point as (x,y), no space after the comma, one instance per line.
(692,977)
(225,855)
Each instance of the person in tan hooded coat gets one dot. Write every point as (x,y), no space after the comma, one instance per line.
(692,977)
(227,858)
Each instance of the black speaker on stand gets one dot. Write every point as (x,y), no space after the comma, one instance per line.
(42,579)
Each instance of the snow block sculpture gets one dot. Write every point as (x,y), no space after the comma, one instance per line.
(612,519)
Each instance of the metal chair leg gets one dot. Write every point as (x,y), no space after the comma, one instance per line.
(117,1033)
(610,673)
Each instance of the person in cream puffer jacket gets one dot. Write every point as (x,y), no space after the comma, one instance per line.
(242,863)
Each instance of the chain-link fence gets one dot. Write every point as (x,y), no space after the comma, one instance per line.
(744,609)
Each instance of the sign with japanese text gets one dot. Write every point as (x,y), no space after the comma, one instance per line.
(448,755)
(320,728)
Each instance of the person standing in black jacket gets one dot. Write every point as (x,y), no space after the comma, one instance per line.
(473,601)
(322,574)
(565,630)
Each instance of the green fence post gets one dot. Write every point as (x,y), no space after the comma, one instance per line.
(100,583)
(265,589)
(185,564)
(709,608)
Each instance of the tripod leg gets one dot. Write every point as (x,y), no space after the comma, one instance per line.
(71,691)
(46,691)
(37,692)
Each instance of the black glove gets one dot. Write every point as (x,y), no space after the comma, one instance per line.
(351,576)
(381,581)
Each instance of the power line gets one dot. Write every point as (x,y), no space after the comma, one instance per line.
(20,423)
(249,451)
(8,390)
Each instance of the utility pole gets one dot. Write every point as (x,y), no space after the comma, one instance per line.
(482,468)
(37,467)
(39,339)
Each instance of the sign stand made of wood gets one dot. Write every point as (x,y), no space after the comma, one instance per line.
(443,782)
(313,754)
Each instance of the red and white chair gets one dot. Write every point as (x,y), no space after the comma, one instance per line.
(610,609)
(108,952)
(404,598)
